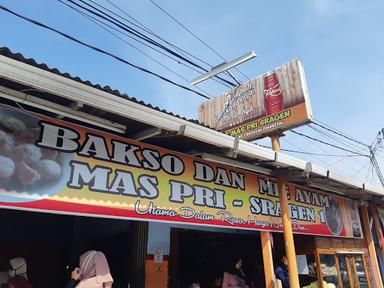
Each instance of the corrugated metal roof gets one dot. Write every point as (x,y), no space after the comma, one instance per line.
(5,51)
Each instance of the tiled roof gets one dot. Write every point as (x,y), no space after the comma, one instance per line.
(4,51)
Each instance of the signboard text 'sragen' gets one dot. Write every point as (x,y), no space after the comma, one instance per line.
(275,101)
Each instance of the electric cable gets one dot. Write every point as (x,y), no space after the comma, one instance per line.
(354,148)
(197,37)
(37,23)
(311,153)
(366,178)
(138,34)
(350,145)
(334,130)
(342,142)
(129,29)
(95,21)
(147,30)
(313,156)
(327,164)
(139,41)
(361,168)
(326,143)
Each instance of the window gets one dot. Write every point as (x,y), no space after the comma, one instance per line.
(360,270)
(344,273)
(329,269)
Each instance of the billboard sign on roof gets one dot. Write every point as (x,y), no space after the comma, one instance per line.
(275,101)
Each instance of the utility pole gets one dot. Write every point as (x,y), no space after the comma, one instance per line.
(376,144)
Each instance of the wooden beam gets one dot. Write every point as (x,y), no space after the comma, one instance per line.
(379,231)
(266,239)
(288,234)
(287,223)
(371,246)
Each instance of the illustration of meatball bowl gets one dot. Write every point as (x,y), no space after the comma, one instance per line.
(28,172)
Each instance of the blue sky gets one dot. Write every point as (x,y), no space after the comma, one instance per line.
(340,43)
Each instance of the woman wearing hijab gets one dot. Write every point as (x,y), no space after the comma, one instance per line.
(18,274)
(93,272)
(235,276)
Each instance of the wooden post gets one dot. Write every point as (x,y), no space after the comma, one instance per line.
(266,239)
(270,280)
(287,224)
(371,246)
(379,231)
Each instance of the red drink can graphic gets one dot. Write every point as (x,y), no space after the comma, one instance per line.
(273,96)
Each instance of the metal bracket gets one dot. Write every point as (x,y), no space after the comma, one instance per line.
(158,133)
(181,130)
(146,134)
(74,105)
(235,150)
(292,175)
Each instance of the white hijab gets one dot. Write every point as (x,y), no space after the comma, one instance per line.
(19,265)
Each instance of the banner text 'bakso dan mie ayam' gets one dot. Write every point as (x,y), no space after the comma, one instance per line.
(48,164)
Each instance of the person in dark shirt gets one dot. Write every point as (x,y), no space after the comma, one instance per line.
(75,275)
(281,272)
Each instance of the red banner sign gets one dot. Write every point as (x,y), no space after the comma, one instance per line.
(51,165)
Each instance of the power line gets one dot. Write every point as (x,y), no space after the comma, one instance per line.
(101,51)
(126,28)
(366,178)
(97,12)
(149,31)
(341,160)
(329,144)
(84,14)
(372,147)
(129,36)
(341,157)
(343,142)
(339,133)
(314,154)
(373,179)
(100,24)
(363,167)
(197,37)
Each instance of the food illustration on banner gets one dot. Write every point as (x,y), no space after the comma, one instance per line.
(25,167)
(59,166)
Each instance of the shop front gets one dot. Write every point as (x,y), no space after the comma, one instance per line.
(166,211)
(69,169)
